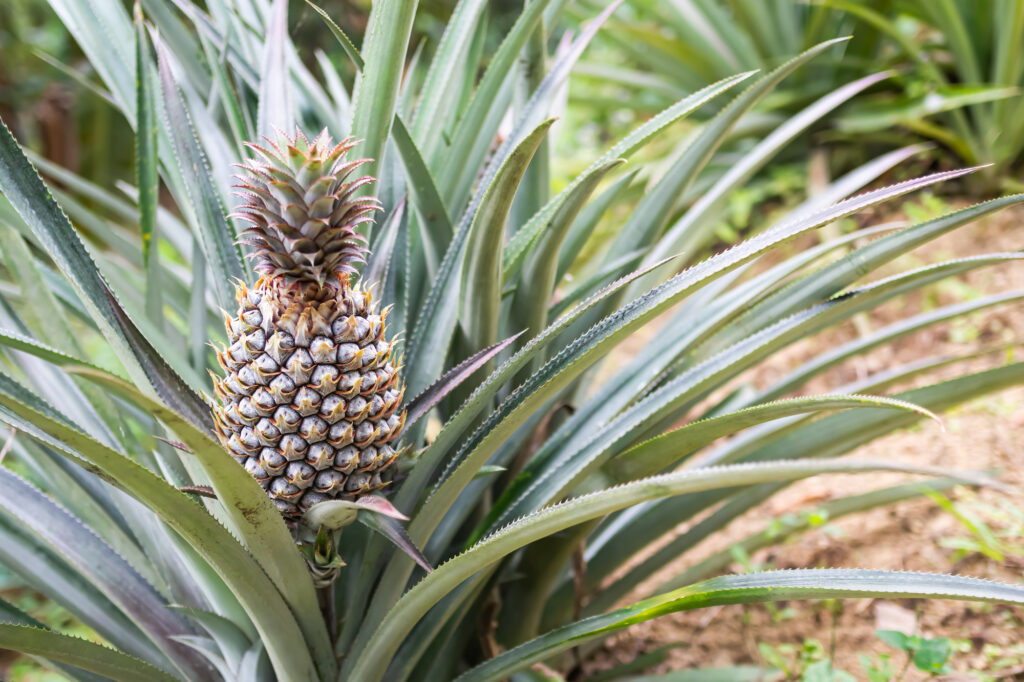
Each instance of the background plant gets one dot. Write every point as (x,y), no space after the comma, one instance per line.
(107,309)
(958,69)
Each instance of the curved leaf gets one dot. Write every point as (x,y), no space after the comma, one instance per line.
(253,514)
(433,394)
(746,589)
(103,567)
(480,300)
(207,215)
(376,91)
(380,647)
(80,653)
(519,245)
(257,594)
(30,197)
(671,448)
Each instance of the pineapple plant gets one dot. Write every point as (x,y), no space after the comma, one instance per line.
(246,512)
(309,403)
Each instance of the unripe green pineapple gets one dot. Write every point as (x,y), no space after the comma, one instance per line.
(309,401)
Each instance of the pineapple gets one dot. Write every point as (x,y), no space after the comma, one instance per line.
(309,399)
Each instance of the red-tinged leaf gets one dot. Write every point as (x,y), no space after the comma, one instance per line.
(174,444)
(201,490)
(433,394)
(380,505)
(395,532)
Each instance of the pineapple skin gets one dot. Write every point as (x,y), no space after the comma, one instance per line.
(309,400)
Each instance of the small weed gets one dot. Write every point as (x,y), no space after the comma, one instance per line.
(928,655)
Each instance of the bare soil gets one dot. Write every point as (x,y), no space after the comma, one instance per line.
(986,433)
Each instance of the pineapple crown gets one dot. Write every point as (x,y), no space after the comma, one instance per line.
(302,209)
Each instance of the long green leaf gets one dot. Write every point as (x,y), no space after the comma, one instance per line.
(834,356)
(110,573)
(147,175)
(480,308)
(275,105)
(15,616)
(411,490)
(475,131)
(546,480)
(204,208)
(518,246)
(687,234)
(436,102)
(254,590)
(652,213)
(746,589)
(376,92)
(373,659)
(781,529)
(829,437)
(252,513)
(45,571)
(30,197)
(669,449)
(80,653)
(572,360)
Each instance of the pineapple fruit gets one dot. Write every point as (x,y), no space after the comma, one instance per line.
(309,400)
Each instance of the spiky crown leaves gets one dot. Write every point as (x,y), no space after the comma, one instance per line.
(302,210)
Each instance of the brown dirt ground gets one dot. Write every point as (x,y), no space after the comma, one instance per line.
(984,433)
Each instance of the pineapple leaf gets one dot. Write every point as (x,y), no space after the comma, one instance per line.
(781,530)
(541,237)
(832,357)
(231,641)
(346,43)
(520,243)
(429,459)
(690,232)
(480,301)
(94,658)
(430,209)
(377,84)
(377,268)
(335,514)
(252,513)
(652,213)
(30,197)
(600,338)
(585,224)
(147,171)
(26,273)
(204,208)
(433,394)
(104,33)
(686,330)
(855,265)
(103,567)
(673,447)
(393,530)
(414,604)
(232,562)
(544,480)
(746,589)
(51,575)
(829,437)
(275,97)
(477,127)
(435,104)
